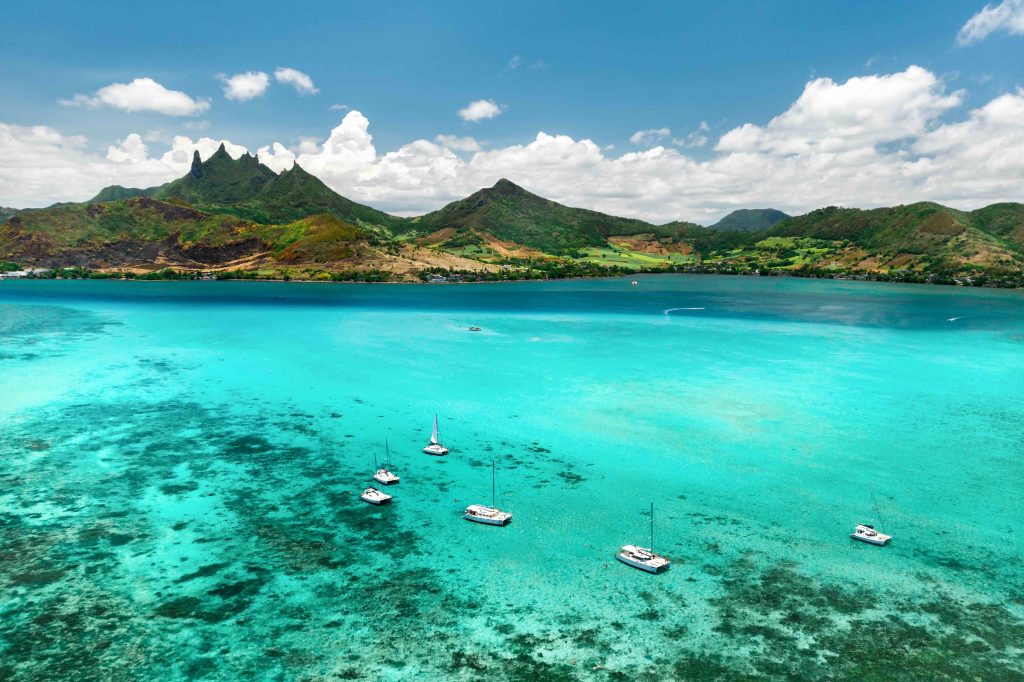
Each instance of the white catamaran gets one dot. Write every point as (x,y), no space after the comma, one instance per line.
(436,446)
(384,475)
(489,515)
(867,533)
(374,496)
(643,558)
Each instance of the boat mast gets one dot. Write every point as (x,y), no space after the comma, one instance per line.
(652,528)
(492,484)
(387,450)
(877,513)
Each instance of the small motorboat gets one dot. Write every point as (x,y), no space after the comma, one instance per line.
(374,496)
(435,447)
(480,513)
(868,534)
(473,329)
(643,558)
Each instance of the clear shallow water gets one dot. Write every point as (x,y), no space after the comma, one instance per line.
(180,466)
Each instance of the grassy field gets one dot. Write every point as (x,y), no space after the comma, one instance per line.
(612,255)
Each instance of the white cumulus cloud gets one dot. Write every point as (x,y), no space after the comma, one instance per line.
(649,136)
(697,138)
(245,86)
(459,144)
(142,94)
(870,141)
(479,110)
(862,112)
(1007,16)
(295,78)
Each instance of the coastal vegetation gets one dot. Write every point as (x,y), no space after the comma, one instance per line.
(232,218)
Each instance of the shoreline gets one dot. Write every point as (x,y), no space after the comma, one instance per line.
(293,280)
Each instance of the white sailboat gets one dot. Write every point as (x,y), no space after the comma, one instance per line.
(384,475)
(867,533)
(643,558)
(436,446)
(489,515)
(374,496)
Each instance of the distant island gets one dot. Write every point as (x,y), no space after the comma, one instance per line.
(238,219)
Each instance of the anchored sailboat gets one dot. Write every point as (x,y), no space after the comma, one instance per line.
(436,446)
(384,476)
(867,533)
(374,496)
(643,558)
(489,515)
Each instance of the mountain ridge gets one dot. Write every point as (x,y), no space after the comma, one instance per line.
(238,213)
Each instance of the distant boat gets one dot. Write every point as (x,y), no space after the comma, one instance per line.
(436,447)
(489,515)
(473,329)
(374,496)
(384,475)
(643,558)
(867,533)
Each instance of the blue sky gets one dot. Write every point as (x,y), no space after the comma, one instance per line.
(586,70)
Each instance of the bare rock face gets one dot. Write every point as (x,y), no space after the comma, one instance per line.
(197,165)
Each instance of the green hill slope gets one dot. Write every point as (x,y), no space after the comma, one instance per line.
(116,192)
(750,220)
(510,213)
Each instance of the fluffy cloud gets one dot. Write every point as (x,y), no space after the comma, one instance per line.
(479,110)
(649,136)
(142,94)
(836,117)
(245,86)
(695,139)
(459,144)
(42,166)
(869,141)
(1006,16)
(296,79)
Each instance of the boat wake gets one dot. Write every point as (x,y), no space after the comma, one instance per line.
(953,319)
(671,309)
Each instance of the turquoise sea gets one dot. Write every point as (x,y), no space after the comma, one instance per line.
(180,466)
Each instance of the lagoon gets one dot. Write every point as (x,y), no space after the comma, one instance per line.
(181,462)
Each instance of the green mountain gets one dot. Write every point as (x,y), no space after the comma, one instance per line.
(219,181)
(924,235)
(510,213)
(141,231)
(116,192)
(750,220)
(237,213)
(6,213)
(245,188)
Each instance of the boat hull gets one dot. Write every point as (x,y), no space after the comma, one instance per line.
(641,565)
(487,521)
(376,502)
(870,541)
(383,480)
(436,450)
